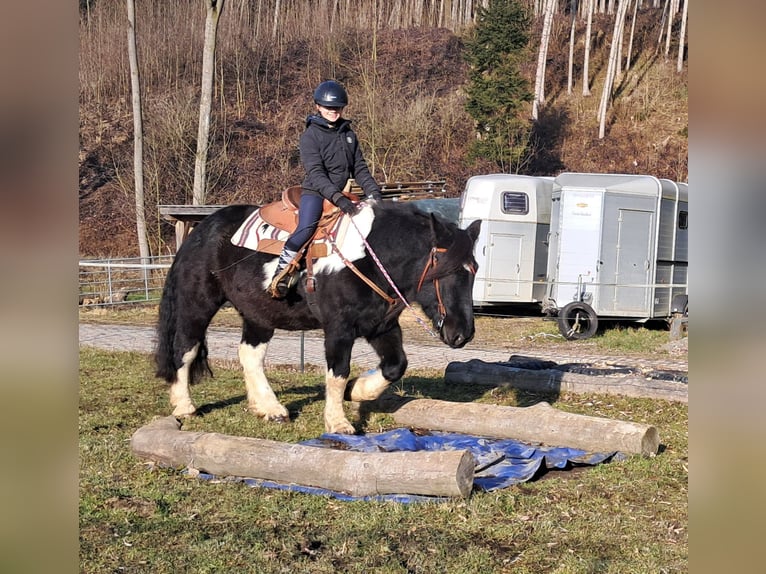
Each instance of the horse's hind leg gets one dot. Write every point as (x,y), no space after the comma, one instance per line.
(261,399)
(191,351)
(393,363)
(180,397)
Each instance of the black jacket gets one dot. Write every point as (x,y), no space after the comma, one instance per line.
(330,156)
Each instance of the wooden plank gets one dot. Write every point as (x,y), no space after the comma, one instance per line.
(187,212)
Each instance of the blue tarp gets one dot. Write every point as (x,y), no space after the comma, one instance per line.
(500,463)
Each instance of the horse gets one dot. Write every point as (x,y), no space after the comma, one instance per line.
(428,261)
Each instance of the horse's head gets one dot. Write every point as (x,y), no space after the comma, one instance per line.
(446,283)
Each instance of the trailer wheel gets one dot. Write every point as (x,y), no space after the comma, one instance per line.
(577,320)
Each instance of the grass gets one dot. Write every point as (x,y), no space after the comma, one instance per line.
(628,516)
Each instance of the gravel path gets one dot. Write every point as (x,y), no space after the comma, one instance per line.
(286,349)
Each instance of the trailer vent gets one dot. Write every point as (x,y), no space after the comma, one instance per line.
(515,202)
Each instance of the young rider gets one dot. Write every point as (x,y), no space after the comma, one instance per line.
(330,154)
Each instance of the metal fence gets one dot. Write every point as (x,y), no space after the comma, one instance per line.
(125,280)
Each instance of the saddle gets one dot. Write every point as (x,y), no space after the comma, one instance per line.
(267,228)
(283,215)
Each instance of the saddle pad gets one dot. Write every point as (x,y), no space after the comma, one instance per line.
(258,235)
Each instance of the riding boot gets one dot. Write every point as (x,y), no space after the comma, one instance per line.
(284,275)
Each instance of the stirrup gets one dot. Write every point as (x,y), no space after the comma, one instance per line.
(283,282)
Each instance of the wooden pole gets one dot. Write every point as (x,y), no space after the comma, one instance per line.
(432,473)
(540,423)
(476,371)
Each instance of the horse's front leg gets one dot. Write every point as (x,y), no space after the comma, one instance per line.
(393,363)
(261,399)
(338,355)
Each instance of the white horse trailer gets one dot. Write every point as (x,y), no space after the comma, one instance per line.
(618,249)
(511,249)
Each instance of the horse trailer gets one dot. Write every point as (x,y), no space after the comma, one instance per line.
(618,249)
(512,249)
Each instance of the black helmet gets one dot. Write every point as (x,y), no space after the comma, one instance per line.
(330,94)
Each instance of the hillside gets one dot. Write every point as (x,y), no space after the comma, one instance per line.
(408,109)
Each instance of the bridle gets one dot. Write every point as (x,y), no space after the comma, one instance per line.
(431,264)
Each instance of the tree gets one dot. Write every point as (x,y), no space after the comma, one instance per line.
(586,56)
(542,56)
(138,135)
(497,91)
(612,66)
(682,38)
(632,33)
(214,9)
(573,9)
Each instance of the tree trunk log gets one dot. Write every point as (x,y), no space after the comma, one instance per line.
(477,371)
(540,423)
(433,473)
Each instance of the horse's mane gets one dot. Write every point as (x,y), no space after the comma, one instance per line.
(448,235)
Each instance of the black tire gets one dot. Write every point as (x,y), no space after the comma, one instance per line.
(577,320)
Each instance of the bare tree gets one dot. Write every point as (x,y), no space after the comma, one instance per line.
(275,24)
(138,135)
(545,36)
(673,10)
(573,10)
(632,33)
(586,56)
(682,38)
(606,95)
(214,9)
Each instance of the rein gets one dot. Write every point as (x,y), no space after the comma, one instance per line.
(431,263)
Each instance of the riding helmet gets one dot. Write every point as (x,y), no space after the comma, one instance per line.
(330,94)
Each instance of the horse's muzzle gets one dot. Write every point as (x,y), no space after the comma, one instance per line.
(456,340)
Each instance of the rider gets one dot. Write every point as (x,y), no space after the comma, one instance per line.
(330,155)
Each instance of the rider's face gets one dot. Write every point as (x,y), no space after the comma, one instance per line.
(332,114)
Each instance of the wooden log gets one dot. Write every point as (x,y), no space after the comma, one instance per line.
(432,473)
(476,371)
(540,423)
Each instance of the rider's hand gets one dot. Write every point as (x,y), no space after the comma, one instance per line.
(346,205)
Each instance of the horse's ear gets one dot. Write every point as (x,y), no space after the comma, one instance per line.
(473,230)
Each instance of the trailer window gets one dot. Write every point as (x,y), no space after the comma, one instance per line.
(515,202)
(683,219)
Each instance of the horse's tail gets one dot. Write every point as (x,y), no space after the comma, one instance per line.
(167,358)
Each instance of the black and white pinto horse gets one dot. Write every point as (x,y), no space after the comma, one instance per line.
(429,260)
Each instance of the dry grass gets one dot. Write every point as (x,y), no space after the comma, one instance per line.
(621,517)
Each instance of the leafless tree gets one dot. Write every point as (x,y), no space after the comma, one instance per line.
(682,38)
(573,10)
(214,9)
(611,71)
(632,33)
(545,37)
(138,135)
(586,56)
